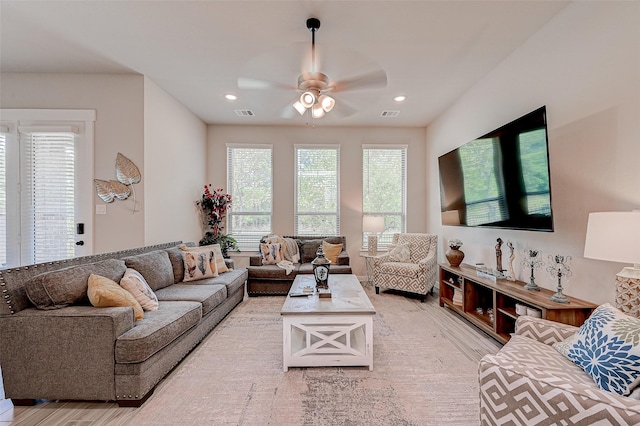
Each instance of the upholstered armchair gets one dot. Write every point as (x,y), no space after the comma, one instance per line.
(415,271)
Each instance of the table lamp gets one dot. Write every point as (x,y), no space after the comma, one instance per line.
(615,236)
(373,225)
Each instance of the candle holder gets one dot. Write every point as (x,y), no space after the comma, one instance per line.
(558,268)
(532,260)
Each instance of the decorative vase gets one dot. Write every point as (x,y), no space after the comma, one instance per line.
(454,256)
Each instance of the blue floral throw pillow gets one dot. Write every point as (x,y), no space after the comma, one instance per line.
(607,348)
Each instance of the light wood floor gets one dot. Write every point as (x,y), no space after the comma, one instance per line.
(467,339)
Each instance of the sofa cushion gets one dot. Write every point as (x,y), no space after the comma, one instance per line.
(154,266)
(68,286)
(157,330)
(209,295)
(198,265)
(607,348)
(175,257)
(106,293)
(134,283)
(410,270)
(308,249)
(232,280)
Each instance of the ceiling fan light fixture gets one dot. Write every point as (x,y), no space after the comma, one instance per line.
(317,111)
(307,99)
(327,102)
(299,107)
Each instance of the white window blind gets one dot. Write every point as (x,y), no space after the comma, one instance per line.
(48,212)
(3,198)
(250,183)
(384,188)
(317,203)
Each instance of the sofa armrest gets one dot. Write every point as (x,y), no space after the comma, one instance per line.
(542,330)
(44,353)
(343,258)
(255,261)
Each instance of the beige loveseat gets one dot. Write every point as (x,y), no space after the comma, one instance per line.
(80,352)
(270,280)
(528,382)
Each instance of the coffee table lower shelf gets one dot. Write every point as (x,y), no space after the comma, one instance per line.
(336,340)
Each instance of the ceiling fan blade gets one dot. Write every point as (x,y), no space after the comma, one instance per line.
(343,109)
(371,80)
(289,111)
(257,84)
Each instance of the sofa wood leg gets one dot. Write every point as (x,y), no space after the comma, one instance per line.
(135,402)
(23,402)
(377,290)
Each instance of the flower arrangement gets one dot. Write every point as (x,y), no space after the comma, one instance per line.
(214,205)
(455,243)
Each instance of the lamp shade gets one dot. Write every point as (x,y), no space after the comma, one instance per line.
(373,224)
(613,236)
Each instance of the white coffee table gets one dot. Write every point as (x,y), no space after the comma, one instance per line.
(336,331)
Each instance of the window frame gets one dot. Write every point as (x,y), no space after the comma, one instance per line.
(296,213)
(384,238)
(246,245)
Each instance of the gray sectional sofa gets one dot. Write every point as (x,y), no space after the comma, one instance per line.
(74,351)
(271,280)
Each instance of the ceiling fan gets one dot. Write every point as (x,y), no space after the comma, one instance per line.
(317,90)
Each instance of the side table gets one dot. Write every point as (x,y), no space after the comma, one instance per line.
(368,265)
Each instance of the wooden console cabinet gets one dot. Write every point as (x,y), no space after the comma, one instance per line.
(501,296)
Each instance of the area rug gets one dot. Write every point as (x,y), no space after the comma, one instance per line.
(425,373)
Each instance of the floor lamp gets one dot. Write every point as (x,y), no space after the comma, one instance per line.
(615,236)
(373,225)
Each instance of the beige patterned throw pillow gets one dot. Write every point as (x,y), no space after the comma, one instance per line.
(198,265)
(135,284)
(217,251)
(271,253)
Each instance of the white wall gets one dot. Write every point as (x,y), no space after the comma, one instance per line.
(584,65)
(350,141)
(175,168)
(118,101)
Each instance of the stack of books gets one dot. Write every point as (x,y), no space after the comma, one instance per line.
(457,297)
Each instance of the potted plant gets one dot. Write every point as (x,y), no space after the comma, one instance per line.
(213,206)
(454,255)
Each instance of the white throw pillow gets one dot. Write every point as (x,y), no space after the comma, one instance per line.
(399,253)
(134,283)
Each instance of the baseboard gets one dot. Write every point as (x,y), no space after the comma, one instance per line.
(5,405)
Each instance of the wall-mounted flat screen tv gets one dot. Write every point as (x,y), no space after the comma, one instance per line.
(500,180)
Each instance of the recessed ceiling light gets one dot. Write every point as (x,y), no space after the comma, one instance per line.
(400,98)
(230,97)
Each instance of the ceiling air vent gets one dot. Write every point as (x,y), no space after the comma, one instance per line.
(387,113)
(244,113)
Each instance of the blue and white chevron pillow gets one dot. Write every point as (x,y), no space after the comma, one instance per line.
(607,348)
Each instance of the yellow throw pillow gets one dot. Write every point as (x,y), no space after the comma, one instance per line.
(106,293)
(331,251)
(217,251)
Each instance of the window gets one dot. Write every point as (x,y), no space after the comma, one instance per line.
(46,167)
(250,183)
(317,205)
(384,188)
